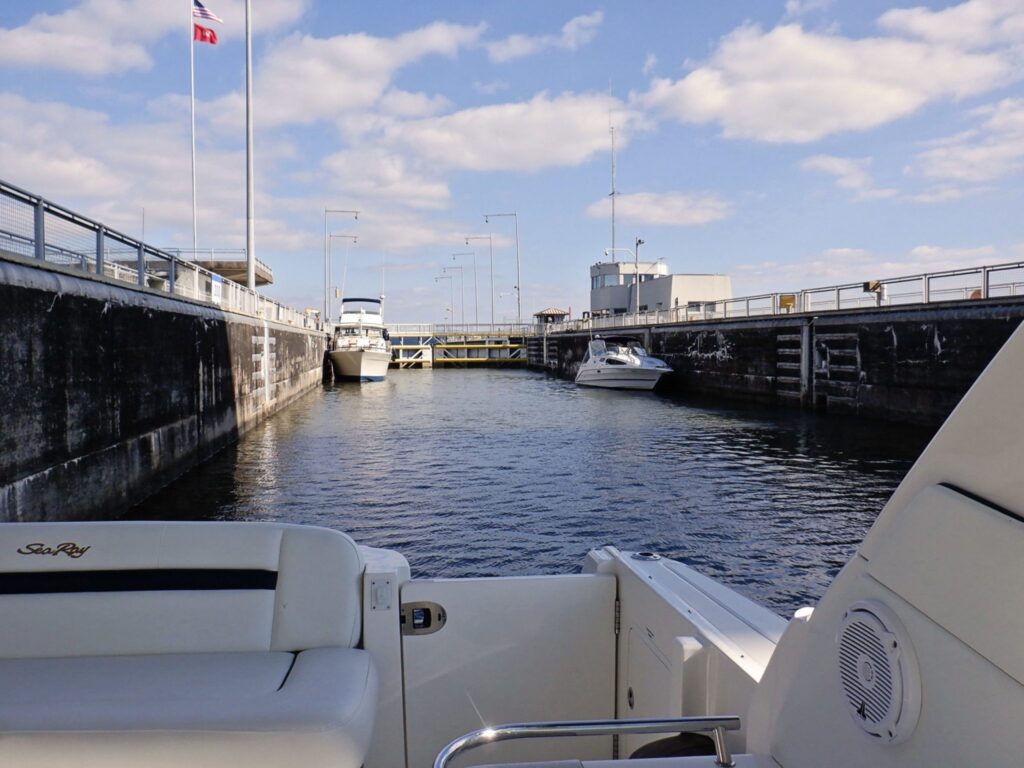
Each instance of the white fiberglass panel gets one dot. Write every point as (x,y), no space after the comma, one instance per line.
(958,562)
(512,650)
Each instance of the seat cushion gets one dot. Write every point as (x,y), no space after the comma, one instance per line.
(312,708)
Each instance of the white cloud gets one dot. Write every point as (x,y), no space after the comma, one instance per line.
(545,131)
(406,104)
(109,171)
(790,85)
(849,173)
(304,79)
(945,193)
(672,209)
(796,8)
(373,173)
(102,37)
(992,150)
(490,88)
(576,33)
(650,62)
(838,266)
(977,24)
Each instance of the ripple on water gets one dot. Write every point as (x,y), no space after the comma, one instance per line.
(481,473)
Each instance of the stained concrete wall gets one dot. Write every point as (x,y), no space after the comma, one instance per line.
(109,392)
(910,364)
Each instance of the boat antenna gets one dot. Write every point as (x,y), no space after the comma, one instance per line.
(611,131)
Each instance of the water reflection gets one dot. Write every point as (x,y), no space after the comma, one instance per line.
(512,472)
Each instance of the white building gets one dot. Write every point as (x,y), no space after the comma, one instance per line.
(613,288)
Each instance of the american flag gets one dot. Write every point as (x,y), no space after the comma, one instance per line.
(202,12)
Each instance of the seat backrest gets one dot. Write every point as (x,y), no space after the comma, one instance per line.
(85,589)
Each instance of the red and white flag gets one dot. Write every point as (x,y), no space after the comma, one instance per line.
(204,34)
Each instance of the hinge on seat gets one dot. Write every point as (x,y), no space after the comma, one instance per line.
(618,615)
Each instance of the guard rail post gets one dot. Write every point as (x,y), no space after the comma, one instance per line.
(984,282)
(142,264)
(101,234)
(40,230)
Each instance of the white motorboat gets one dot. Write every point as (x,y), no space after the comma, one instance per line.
(619,363)
(262,644)
(361,348)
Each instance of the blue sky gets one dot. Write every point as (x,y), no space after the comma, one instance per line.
(789,144)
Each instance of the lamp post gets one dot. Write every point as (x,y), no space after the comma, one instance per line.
(330,239)
(636,278)
(476,295)
(519,291)
(490,250)
(327,262)
(451,285)
(462,290)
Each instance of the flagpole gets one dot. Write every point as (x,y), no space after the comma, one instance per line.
(250,214)
(192,101)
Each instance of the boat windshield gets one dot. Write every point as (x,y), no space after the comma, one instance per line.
(626,348)
(597,348)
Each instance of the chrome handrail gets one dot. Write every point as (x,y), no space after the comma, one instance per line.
(716,726)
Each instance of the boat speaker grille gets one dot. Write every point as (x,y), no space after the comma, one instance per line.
(878,672)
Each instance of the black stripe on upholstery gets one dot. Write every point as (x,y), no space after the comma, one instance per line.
(139,580)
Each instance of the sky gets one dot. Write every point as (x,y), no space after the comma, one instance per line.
(789,144)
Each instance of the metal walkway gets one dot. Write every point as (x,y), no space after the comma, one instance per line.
(469,346)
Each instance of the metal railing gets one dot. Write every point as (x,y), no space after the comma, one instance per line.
(716,726)
(929,288)
(471,329)
(218,254)
(36,228)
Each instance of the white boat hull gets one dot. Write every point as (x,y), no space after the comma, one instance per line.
(619,377)
(360,364)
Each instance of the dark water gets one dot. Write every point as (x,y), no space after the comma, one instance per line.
(504,472)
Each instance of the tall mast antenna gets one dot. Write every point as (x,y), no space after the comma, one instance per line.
(611,131)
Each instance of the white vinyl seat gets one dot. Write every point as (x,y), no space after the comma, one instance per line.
(236,651)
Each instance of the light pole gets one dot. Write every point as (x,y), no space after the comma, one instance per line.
(476,295)
(636,277)
(462,290)
(330,239)
(519,291)
(490,250)
(451,285)
(327,262)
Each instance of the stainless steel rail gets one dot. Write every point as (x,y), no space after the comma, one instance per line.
(716,726)
(32,227)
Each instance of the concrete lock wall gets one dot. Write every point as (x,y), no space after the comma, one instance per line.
(108,392)
(909,364)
